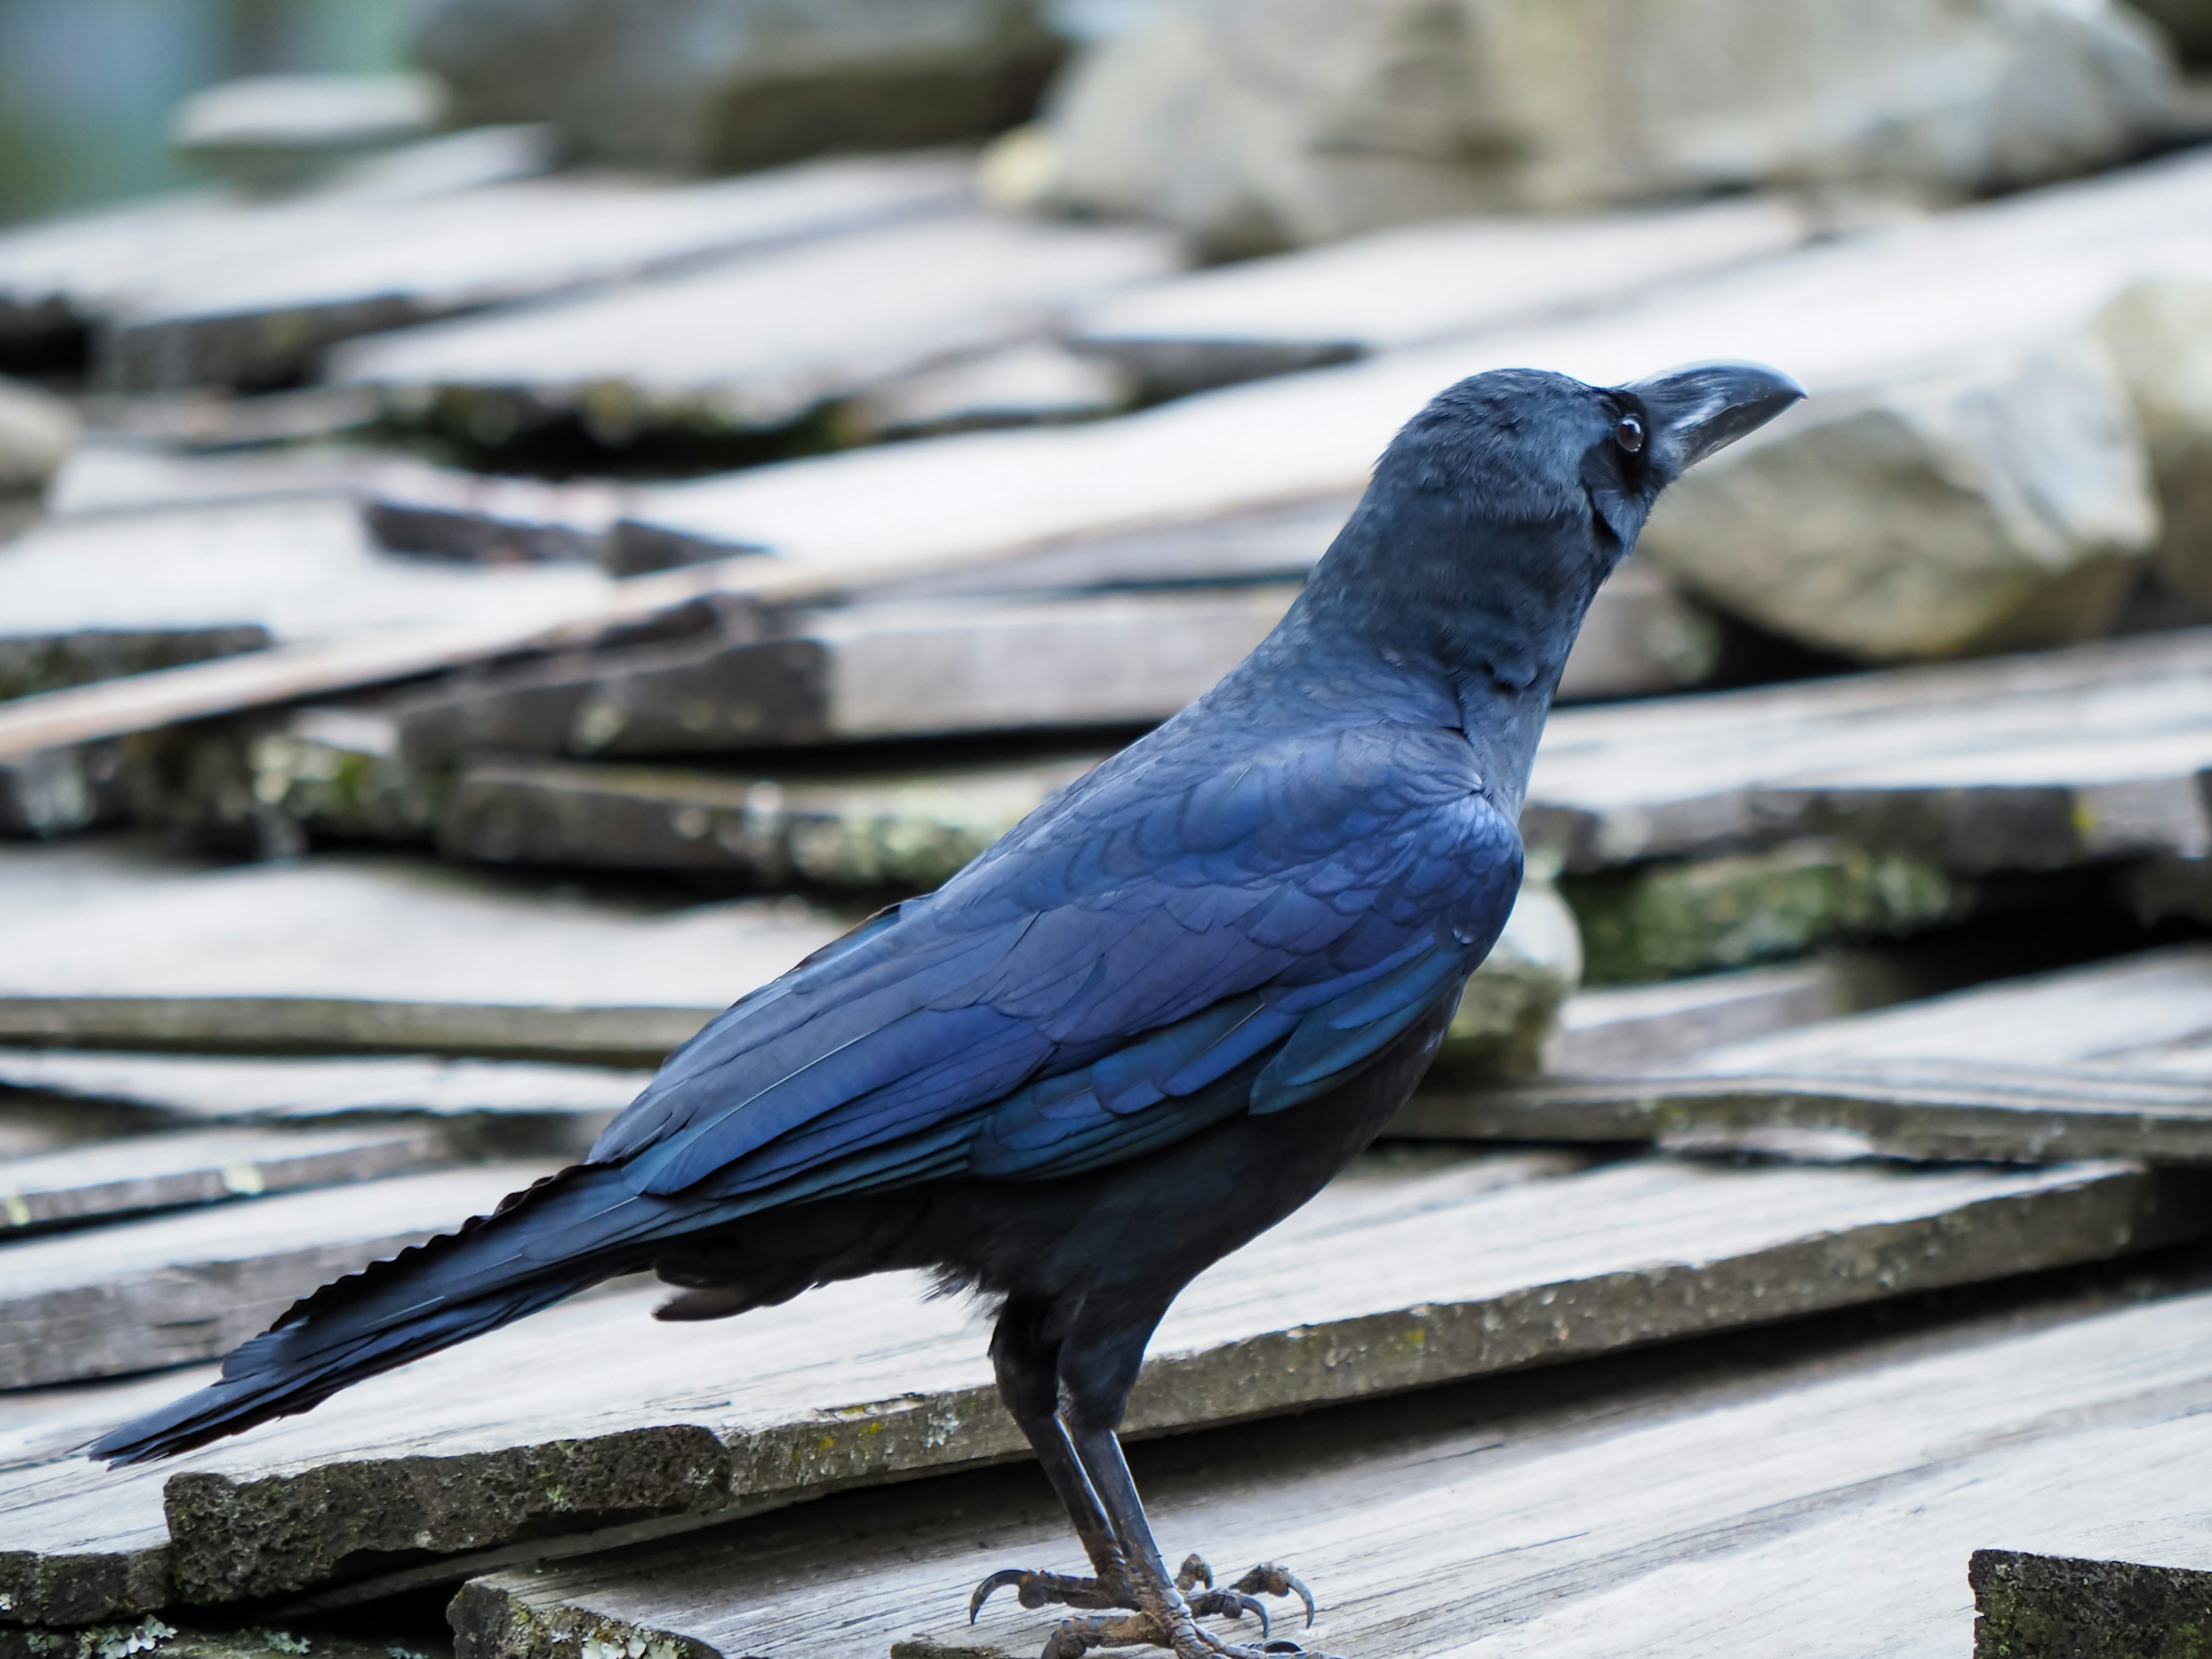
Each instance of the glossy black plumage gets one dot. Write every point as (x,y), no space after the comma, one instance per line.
(1152,1020)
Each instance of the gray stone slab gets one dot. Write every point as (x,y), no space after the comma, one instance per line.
(1664,1517)
(1413,287)
(361,954)
(263,307)
(541,1436)
(761,343)
(2113,1060)
(2140,1585)
(165,1291)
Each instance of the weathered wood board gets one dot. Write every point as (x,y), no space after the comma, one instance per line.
(1670,1519)
(762,341)
(112,1179)
(2037,262)
(2113,1059)
(1417,285)
(168,1290)
(361,954)
(65,274)
(263,312)
(522,1106)
(1495,1263)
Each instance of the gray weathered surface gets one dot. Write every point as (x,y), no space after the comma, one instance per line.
(727,85)
(2080,1063)
(1490,1270)
(1257,128)
(116,1178)
(2035,762)
(364,953)
(263,312)
(1674,1519)
(524,1105)
(168,1290)
(1416,286)
(760,343)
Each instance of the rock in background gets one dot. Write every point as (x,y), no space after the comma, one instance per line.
(37,432)
(2159,335)
(2003,503)
(724,85)
(1258,124)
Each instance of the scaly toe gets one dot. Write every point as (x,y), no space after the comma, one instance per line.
(1271,1579)
(1036,1590)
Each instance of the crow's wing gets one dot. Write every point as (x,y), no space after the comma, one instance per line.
(1180,935)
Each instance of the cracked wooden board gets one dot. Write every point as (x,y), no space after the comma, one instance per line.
(111,1180)
(263,311)
(1499,1262)
(360,954)
(1673,1518)
(1413,287)
(169,1290)
(765,342)
(2111,1059)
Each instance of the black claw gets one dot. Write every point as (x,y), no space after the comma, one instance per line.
(1193,1570)
(997,1582)
(1275,1580)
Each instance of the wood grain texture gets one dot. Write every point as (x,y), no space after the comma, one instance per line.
(169,1290)
(1495,1263)
(119,1178)
(2108,1061)
(1676,1521)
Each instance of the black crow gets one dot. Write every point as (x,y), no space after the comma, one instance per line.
(1151,1021)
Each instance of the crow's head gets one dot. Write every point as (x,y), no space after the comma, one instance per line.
(1523,447)
(1498,510)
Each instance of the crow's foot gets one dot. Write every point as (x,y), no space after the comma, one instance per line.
(1034,1589)
(1173,1632)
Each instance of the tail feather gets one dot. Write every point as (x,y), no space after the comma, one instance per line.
(541,1245)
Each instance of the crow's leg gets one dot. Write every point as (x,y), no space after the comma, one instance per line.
(1097,1369)
(1025,1363)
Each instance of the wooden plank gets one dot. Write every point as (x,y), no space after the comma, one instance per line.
(2111,1060)
(363,954)
(762,342)
(1496,1263)
(1419,285)
(265,311)
(168,1290)
(119,1178)
(514,1106)
(1836,315)
(1671,1518)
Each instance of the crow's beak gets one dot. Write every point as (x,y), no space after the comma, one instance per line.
(1707,406)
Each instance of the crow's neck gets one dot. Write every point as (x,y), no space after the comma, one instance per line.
(1472,630)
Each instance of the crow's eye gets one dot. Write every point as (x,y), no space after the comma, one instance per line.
(1628,433)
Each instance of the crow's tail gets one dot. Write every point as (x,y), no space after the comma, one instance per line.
(568,1231)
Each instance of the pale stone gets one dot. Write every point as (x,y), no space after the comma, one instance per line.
(722,85)
(1261,122)
(1512,1004)
(2001,503)
(37,432)
(2159,335)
